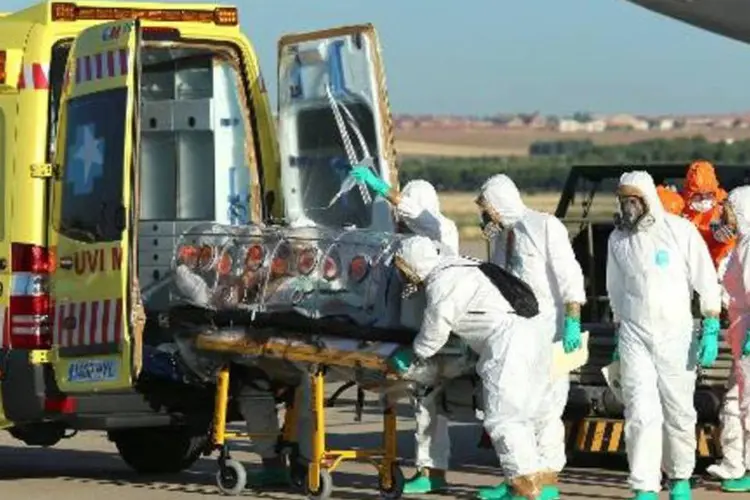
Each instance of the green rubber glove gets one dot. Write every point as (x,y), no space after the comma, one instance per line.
(616,352)
(401,360)
(572,334)
(709,347)
(367,176)
(746,347)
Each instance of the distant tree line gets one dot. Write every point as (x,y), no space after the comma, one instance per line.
(546,167)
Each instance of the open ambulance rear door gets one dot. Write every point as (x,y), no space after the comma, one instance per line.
(333,112)
(96,303)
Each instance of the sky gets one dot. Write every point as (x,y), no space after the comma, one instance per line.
(482,57)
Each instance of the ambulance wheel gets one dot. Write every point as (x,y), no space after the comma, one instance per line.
(231,478)
(397,484)
(159,450)
(325,487)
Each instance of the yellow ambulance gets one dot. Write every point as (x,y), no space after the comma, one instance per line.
(122,124)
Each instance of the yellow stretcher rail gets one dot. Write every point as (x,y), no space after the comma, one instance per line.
(280,349)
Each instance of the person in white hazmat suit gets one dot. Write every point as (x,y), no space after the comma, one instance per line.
(418,209)
(514,362)
(655,261)
(535,247)
(734,469)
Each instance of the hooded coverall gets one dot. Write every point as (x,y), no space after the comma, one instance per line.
(419,209)
(543,257)
(651,274)
(735,436)
(670,200)
(701,179)
(514,361)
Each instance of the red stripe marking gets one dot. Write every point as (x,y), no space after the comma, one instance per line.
(22,79)
(99,63)
(82,323)
(79,73)
(93,327)
(88,68)
(40,77)
(105,322)
(118,321)
(123,62)
(6,328)
(110,63)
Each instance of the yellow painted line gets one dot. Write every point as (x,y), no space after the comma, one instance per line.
(614,439)
(600,431)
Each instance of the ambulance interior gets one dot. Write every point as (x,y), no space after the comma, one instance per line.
(195,149)
(196,143)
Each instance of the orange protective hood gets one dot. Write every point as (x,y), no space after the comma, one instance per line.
(700,178)
(671,200)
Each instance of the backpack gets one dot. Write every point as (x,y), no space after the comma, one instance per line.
(516,291)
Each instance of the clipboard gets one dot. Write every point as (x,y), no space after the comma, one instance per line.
(563,363)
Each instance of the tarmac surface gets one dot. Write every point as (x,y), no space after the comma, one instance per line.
(88,467)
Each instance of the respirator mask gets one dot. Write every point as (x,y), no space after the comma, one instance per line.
(489,219)
(410,279)
(725,228)
(702,203)
(632,213)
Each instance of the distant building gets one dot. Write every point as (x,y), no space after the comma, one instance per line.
(661,124)
(626,122)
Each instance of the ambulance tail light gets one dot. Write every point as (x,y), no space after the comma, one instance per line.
(59,404)
(70,11)
(29,312)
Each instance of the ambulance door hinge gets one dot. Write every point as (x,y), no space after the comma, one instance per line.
(44,171)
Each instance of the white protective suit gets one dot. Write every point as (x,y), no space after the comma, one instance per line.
(735,416)
(651,275)
(543,257)
(419,208)
(513,361)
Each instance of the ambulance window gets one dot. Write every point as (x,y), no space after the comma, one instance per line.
(93,167)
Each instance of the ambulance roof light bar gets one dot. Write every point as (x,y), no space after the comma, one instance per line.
(69,11)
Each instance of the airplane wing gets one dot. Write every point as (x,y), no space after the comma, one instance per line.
(730,18)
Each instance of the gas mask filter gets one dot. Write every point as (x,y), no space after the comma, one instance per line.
(410,278)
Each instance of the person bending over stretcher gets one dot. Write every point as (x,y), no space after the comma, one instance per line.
(514,362)
(418,209)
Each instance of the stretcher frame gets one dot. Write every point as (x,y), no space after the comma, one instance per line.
(318,483)
(231,478)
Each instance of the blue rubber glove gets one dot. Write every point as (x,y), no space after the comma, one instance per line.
(746,347)
(709,347)
(572,335)
(367,176)
(401,360)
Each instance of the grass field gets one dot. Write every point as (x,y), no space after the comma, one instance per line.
(460,207)
(432,141)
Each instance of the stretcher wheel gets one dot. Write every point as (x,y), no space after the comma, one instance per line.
(325,487)
(397,484)
(231,478)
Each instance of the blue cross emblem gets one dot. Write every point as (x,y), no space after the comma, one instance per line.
(87,163)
